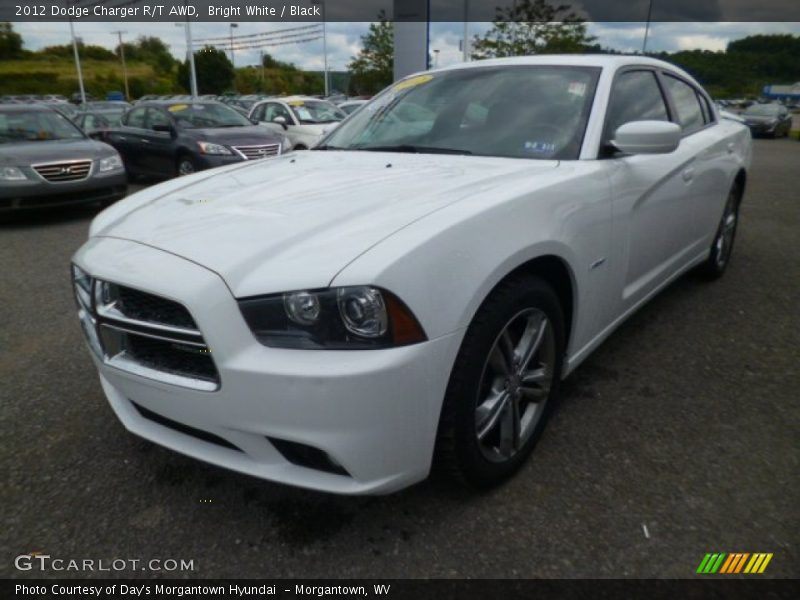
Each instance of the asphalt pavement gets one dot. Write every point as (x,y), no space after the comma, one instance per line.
(678,437)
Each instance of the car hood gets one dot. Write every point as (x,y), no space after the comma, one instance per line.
(236,136)
(295,221)
(24,154)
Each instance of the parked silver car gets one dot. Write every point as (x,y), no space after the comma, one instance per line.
(46,160)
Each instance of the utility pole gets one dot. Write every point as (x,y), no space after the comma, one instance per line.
(124,68)
(77,62)
(233,26)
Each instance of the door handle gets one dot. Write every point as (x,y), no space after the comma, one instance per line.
(731,147)
(688,174)
(121,138)
(145,141)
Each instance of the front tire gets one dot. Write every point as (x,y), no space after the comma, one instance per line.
(722,246)
(503,384)
(185,165)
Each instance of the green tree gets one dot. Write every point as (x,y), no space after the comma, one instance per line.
(10,42)
(373,68)
(150,50)
(533,27)
(214,72)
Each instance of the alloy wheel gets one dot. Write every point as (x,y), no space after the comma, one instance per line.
(515,385)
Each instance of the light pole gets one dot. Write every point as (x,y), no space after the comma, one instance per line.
(647,26)
(124,68)
(466,31)
(190,56)
(77,62)
(324,45)
(233,26)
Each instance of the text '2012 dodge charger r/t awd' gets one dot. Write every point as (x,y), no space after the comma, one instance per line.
(415,289)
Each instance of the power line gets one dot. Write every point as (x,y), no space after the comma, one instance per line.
(264,44)
(226,39)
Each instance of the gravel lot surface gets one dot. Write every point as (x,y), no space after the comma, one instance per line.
(685,422)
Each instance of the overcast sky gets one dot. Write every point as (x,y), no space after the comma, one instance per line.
(344,38)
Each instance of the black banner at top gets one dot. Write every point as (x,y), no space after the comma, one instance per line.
(394,10)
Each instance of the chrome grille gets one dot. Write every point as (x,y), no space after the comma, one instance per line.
(144,334)
(73,170)
(254,152)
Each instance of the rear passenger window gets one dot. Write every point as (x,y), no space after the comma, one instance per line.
(636,96)
(687,104)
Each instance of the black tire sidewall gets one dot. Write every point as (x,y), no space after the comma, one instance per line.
(185,158)
(711,266)
(494,314)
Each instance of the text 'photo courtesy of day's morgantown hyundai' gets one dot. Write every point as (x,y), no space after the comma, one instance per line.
(399,299)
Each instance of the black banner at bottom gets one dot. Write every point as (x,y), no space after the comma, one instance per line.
(405,589)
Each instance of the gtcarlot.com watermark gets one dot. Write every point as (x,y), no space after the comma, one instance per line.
(36,561)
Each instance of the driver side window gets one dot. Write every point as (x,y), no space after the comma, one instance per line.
(635,96)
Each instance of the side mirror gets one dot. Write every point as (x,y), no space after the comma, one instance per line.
(647,137)
(282,122)
(254,121)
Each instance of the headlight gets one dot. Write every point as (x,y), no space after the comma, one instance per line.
(11,174)
(110,163)
(209,148)
(354,318)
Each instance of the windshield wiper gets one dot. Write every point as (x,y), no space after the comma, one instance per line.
(328,147)
(413,149)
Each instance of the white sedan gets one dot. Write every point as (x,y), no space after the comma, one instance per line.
(303,120)
(414,290)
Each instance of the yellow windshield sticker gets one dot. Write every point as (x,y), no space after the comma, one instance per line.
(413,82)
(296,103)
(178,107)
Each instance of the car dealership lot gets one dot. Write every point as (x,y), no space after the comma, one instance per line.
(676,438)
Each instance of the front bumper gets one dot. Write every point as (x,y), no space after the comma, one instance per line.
(374,413)
(211,161)
(31,195)
(765,128)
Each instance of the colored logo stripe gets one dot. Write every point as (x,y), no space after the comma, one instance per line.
(720,562)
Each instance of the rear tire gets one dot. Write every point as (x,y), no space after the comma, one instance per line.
(722,246)
(503,385)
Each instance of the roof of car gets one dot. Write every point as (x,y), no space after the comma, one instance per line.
(607,61)
(26,108)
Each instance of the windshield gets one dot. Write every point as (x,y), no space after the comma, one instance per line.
(537,112)
(36,126)
(197,116)
(762,110)
(315,111)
